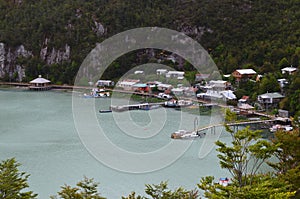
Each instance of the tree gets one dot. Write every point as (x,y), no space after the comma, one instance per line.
(12,181)
(263,186)
(86,189)
(268,84)
(161,191)
(247,147)
(243,159)
(288,153)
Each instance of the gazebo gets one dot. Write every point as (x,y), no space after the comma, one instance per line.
(40,84)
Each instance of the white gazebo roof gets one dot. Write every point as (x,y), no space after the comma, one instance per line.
(39,80)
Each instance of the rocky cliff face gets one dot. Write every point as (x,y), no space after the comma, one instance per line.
(9,67)
(53,55)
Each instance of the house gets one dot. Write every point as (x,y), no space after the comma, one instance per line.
(282,82)
(270,99)
(164,87)
(289,70)
(141,88)
(177,91)
(220,84)
(243,104)
(153,84)
(138,72)
(175,74)
(127,84)
(243,74)
(40,84)
(215,94)
(161,71)
(243,100)
(103,83)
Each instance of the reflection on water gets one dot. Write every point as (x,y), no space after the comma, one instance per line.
(38,129)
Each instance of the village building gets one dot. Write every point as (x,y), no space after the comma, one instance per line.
(138,72)
(243,74)
(217,89)
(161,71)
(102,83)
(127,84)
(289,70)
(175,74)
(40,84)
(164,87)
(270,99)
(141,88)
(177,91)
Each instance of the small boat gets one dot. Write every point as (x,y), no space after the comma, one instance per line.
(97,93)
(183,134)
(178,103)
(278,127)
(224,182)
(105,111)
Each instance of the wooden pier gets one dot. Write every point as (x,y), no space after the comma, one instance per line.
(199,131)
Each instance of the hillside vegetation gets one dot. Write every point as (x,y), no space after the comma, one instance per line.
(237,33)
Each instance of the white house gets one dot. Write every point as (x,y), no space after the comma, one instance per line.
(215,94)
(289,70)
(282,82)
(163,87)
(161,71)
(105,83)
(127,84)
(138,72)
(177,91)
(175,74)
(270,98)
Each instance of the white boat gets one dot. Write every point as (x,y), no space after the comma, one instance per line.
(97,93)
(278,127)
(183,134)
(178,103)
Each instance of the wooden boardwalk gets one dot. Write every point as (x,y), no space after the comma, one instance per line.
(212,127)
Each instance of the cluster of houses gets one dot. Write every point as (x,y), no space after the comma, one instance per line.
(210,89)
(138,86)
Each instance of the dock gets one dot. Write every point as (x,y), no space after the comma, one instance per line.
(143,106)
(200,131)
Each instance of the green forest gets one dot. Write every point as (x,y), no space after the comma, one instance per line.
(263,35)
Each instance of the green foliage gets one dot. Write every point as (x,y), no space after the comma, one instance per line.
(288,153)
(86,189)
(292,100)
(230,116)
(263,34)
(247,153)
(161,191)
(263,186)
(13,182)
(268,84)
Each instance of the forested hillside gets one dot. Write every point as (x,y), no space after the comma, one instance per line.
(53,37)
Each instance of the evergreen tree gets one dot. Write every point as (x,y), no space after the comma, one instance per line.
(13,182)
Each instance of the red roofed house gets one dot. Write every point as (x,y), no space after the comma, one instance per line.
(243,74)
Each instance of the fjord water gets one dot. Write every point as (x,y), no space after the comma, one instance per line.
(38,129)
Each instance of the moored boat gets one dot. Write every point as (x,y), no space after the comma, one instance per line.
(97,93)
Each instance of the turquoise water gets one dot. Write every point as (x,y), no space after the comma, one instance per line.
(38,129)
